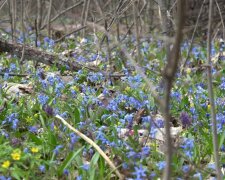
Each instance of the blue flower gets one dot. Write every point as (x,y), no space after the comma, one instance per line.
(51,80)
(79,178)
(42,99)
(188,146)
(198,175)
(66,172)
(56,150)
(12,119)
(161,165)
(222,84)
(12,67)
(139,172)
(4,178)
(125,166)
(33,129)
(186,168)
(211,166)
(73,140)
(145,151)
(42,168)
(48,43)
(26,150)
(95,77)
(176,95)
(85,167)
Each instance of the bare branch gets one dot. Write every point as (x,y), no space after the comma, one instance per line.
(211,96)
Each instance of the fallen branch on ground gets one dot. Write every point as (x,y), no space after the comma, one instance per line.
(40,56)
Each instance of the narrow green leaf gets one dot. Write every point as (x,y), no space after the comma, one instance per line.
(69,160)
(94,161)
(35,139)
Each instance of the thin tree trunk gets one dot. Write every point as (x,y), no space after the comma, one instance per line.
(49,18)
(136,25)
(169,75)
(211,95)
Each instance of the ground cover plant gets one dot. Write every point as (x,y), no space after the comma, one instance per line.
(120,116)
(94,104)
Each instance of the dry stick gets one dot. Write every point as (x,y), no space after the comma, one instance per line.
(92,143)
(14,14)
(23,29)
(169,75)
(192,39)
(63,12)
(74,31)
(221,17)
(86,15)
(11,19)
(136,24)
(13,74)
(211,96)
(108,51)
(83,15)
(3,3)
(49,17)
(38,21)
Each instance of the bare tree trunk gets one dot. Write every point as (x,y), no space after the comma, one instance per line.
(84,15)
(12,12)
(39,15)
(23,29)
(211,96)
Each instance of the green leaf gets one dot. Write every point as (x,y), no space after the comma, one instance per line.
(35,139)
(221,140)
(77,115)
(52,141)
(69,160)
(94,161)
(101,166)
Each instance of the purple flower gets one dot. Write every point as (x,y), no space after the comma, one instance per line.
(49,110)
(66,172)
(185,119)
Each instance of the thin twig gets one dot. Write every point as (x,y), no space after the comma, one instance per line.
(49,17)
(92,143)
(13,74)
(63,12)
(169,75)
(211,96)
(192,39)
(221,17)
